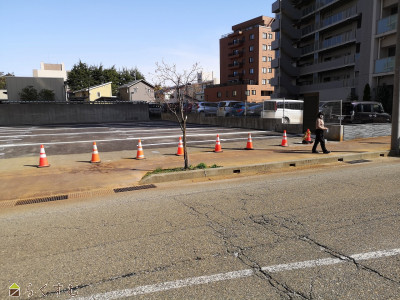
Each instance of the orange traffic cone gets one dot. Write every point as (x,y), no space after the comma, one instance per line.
(43,159)
(284,140)
(307,137)
(249,145)
(218,145)
(95,154)
(180,148)
(139,154)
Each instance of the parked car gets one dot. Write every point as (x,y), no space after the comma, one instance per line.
(187,107)
(225,108)
(205,108)
(255,110)
(241,109)
(154,108)
(355,112)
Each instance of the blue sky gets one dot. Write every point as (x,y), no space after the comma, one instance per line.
(118,32)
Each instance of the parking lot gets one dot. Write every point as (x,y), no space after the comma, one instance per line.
(78,138)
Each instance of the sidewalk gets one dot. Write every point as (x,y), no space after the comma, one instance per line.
(74,175)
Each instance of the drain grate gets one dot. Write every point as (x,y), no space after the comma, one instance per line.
(358,161)
(134,188)
(40,200)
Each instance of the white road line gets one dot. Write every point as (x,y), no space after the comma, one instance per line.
(122,139)
(2,135)
(169,285)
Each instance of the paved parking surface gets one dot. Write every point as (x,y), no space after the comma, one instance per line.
(73,139)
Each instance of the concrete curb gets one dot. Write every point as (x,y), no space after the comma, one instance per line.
(260,168)
(149,181)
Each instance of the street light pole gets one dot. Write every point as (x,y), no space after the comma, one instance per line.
(394,147)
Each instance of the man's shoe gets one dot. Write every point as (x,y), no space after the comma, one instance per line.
(326,152)
(315,151)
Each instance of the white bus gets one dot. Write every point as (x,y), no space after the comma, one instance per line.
(289,111)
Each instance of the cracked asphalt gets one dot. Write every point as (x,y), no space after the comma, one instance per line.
(183,240)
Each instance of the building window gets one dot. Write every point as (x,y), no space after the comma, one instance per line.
(268,81)
(251,71)
(253,92)
(252,36)
(251,48)
(251,59)
(264,35)
(247,93)
(270,36)
(227,94)
(264,58)
(98,94)
(264,70)
(234,93)
(269,70)
(269,58)
(219,95)
(264,47)
(264,81)
(269,47)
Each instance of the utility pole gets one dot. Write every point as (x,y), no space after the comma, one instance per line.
(395,143)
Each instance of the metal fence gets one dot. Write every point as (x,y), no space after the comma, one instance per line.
(333,111)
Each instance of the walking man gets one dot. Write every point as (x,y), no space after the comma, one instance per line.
(319,132)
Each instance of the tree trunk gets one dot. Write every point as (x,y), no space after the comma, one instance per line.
(185,154)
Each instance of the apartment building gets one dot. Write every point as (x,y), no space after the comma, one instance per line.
(245,63)
(330,49)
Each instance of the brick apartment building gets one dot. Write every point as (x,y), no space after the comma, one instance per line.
(245,63)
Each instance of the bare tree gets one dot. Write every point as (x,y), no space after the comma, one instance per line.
(168,75)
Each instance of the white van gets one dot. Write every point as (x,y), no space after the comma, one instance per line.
(289,111)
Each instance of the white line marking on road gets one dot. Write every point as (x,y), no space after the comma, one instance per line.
(127,131)
(122,139)
(169,285)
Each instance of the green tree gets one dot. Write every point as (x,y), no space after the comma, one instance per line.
(29,93)
(46,95)
(82,76)
(79,77)
(3,80)
(367,93)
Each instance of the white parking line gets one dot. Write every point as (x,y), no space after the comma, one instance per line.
(127,131)
(169,285)
(125,139)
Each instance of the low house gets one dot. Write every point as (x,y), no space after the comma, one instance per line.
(138,90)
(93,92)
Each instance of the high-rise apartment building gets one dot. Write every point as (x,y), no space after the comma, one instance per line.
(331,49)
(245,63)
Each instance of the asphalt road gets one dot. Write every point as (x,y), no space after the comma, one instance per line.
(78,138)
(324,233)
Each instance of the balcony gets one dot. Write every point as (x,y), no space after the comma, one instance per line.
(387,24)
(235,54)
(275,63)
(236,43)
(385,65)
(236,75)
(275,45)
(235,65)
(341,62)
(288,48)
(345,83)
(275,26)
(338,40)
(276,7)
(286,8)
